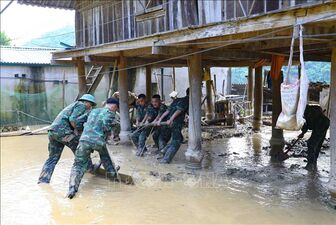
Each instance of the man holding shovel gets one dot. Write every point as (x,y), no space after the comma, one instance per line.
(318,123)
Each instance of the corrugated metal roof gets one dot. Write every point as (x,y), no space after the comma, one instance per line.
(22,55)
(60,4)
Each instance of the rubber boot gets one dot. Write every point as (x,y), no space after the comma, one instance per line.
(72,192)
(162,152)
(169,155)
(140,152)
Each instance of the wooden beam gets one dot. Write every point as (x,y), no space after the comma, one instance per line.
(82,88)
(63,62)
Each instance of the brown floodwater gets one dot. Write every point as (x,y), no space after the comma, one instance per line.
(241,186)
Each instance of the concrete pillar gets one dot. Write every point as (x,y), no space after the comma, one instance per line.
(125,124)
(228,83)
(210,113)
(82,88)
(277,141)
(258,99)
(332,181)
(194,154)
(250,84)
(148,82)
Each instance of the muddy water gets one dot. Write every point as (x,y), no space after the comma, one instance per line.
(241,186)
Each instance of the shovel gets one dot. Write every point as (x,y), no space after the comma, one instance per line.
(292,145)
(124,178)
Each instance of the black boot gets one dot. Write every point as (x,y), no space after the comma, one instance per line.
(72,192)
(311,167)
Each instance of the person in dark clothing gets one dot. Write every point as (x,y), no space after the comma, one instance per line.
(269,79)
(176,114)
(318,123)
(160,135)
(141,110)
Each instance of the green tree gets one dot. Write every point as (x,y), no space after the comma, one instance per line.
(4,39)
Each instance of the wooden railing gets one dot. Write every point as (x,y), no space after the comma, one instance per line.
(99,22)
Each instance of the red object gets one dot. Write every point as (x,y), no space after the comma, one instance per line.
(277,62)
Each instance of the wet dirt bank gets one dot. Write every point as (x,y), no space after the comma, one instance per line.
(240,186)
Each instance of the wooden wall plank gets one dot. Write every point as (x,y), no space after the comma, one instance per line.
(105,21)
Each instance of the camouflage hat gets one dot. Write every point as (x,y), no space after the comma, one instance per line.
(89,98)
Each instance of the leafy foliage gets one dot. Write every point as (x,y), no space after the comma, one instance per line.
(316,71)
(4,39)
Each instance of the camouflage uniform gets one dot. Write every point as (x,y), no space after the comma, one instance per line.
(100,124)
(170,150)
(63,134)
(140,115)
(161,135)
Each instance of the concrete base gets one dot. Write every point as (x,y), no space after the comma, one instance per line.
(277,143)
(209,116)
(332,188)
(194,159)
(125,138)
(256,125)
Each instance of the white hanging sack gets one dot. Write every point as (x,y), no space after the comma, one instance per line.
(293,95)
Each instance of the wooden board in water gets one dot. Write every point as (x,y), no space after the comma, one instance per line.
(124,178)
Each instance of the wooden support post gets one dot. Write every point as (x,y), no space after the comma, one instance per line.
(250,84)
(174,79)
(228,83)
(162,84)
(258,98)
(125,124)
(82,88)
(277,141)
(194,154)
(332,181)
(148,82)
(210,114)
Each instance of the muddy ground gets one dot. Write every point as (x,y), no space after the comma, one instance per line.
(240,186)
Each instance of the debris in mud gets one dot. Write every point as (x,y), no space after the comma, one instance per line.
(167,177)
(11,128)
(153,173)
(294,166)
(300,149)
(216,132)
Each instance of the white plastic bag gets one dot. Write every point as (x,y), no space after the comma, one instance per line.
(294,96)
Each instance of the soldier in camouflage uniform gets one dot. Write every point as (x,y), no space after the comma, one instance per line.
(140,115)
(99,126)
(160,135)
(176,114)
(65,131)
